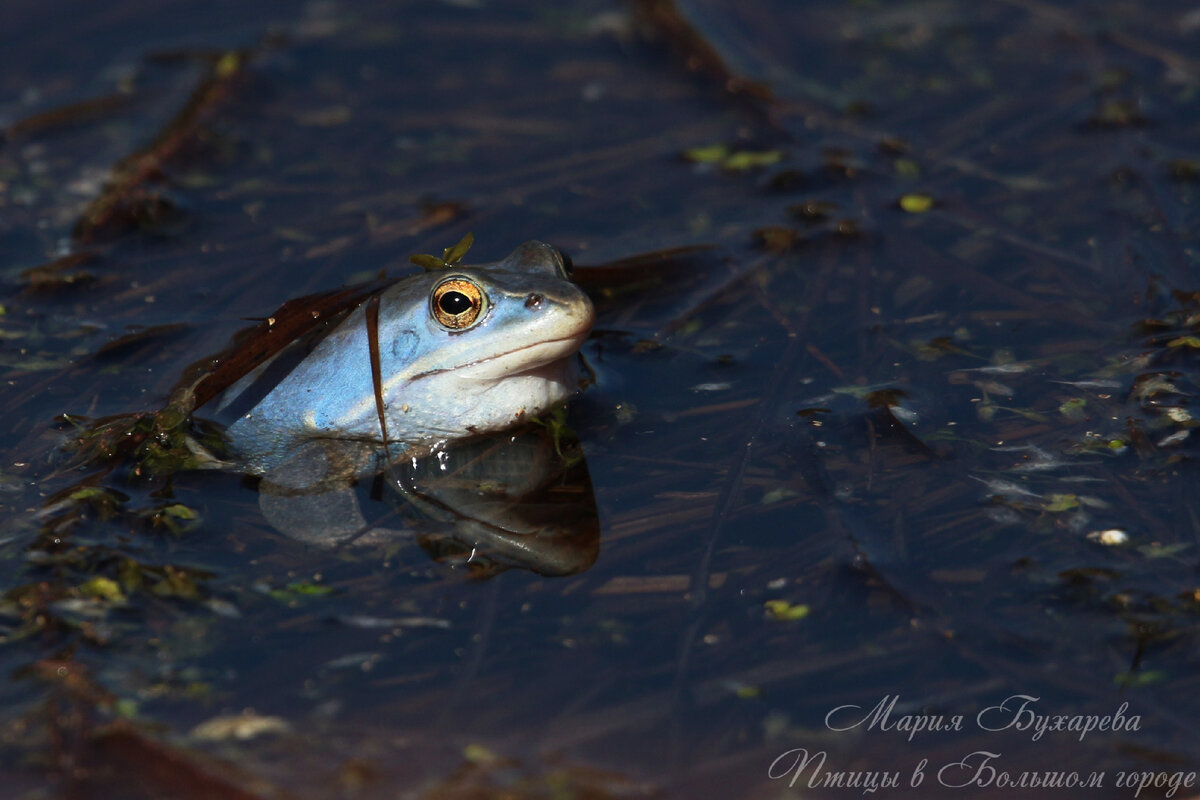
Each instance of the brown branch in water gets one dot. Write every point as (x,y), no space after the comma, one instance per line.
(615,276)
(664,16)
(121,754)
(58,274)
(207,378)
(683,279)
(115,208)
(140,341)
(65,116)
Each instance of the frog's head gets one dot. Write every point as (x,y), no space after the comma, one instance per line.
(461,350)
(479,348)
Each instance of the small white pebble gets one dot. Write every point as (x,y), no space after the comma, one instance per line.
(1177,414)
(1110,537)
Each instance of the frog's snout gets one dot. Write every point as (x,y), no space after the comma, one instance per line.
(568,309)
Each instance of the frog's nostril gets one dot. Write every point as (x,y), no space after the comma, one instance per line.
(533,300)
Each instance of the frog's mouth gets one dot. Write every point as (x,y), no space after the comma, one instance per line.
(538,359)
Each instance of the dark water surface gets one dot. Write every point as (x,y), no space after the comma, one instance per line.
(907,428)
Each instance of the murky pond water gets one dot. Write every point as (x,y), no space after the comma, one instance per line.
(888,432)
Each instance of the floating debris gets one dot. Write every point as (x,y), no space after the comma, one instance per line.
(784,611)
(916,203)
(732,159)
(1110,538)
(1034,458)
(450,257)
(247,725)
(1175,438)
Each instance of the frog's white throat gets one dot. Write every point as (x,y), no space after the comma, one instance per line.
(496,403)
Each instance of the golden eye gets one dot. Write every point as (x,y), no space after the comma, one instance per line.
(457,303)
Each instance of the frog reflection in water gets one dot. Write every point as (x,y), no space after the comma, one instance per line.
(458,352)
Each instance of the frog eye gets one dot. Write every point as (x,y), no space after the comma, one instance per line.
(457,303)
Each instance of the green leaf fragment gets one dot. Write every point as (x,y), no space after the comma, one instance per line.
(427,262)
(480,754)
(130,574)
(745,159)
(126,707)
(555,423)
(1157,550)
(88,493)
(450,255)
(314,589)
(1058,503)
(777,495)
(103,588)
(107,504)
(1129,679)
(784,611)
(1185,341)
(176,583)
(228,65)
(713,154)
(733,160)
(172,517)
(179,511)
(453,255)
(916,203)
(300,589)
(169,418)
(1074,409)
